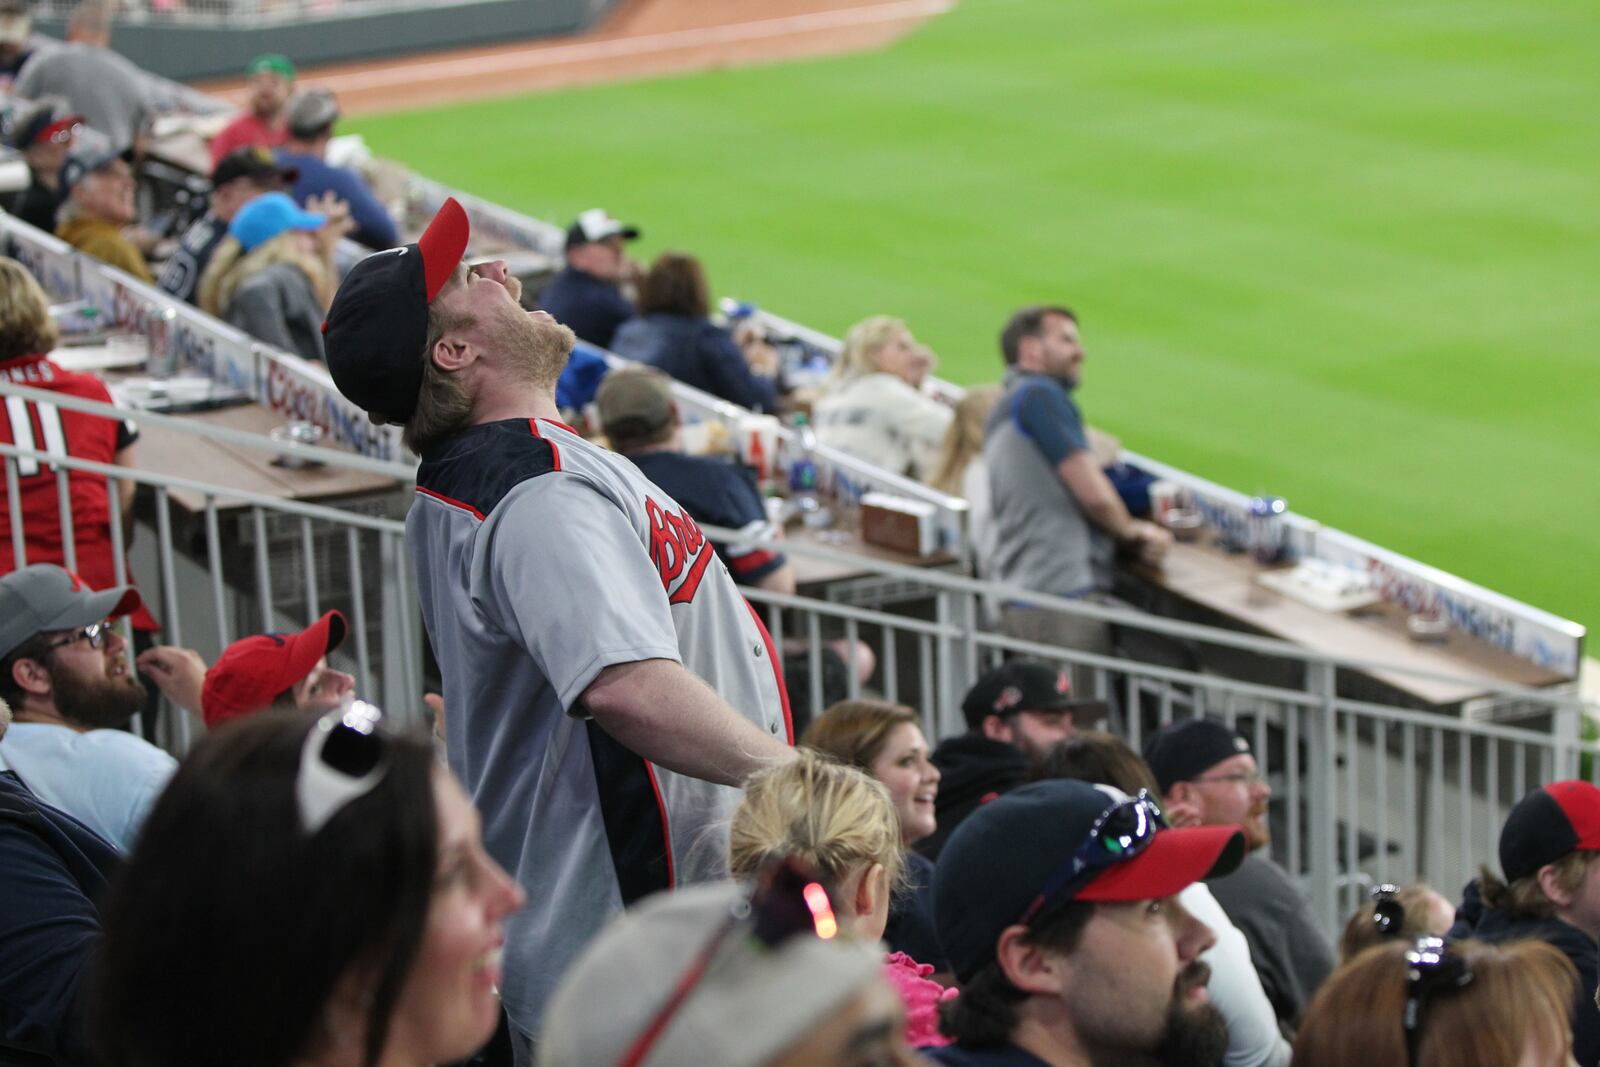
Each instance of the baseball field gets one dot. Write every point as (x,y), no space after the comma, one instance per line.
(1346,252)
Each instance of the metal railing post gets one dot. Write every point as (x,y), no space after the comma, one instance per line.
(1322,741)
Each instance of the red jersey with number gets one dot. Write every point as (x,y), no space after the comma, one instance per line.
(60,432)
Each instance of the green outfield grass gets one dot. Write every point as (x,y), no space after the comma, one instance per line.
(1345,252)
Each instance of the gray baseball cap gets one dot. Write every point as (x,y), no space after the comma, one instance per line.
(43,597)
(751,1003)
(311,111)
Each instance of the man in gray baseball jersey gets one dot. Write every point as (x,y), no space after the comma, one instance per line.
(608,685)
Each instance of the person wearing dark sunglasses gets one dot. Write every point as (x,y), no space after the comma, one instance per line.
(1254,1039)
(728,976)
(1057,906)
(308,892)
(1550,891)
(1422,1003)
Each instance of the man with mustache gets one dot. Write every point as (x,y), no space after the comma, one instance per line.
(1209,777)
(1057,906)
(64,670)
(608,686)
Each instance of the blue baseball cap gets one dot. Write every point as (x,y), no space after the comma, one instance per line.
(268,215)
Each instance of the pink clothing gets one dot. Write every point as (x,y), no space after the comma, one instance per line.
(921,996)
(244,132)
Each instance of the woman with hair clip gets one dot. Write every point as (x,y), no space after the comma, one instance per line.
(1425,1003)
(306,893)
(886,742)
(840,822)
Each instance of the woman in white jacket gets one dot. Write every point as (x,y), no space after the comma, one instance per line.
(873,406)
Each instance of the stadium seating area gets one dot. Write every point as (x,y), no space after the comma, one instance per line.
(1055,773)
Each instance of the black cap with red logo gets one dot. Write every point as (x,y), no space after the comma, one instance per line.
(378,323)
(1023,684)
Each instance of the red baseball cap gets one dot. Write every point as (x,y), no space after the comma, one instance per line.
(377,325)
(252,671)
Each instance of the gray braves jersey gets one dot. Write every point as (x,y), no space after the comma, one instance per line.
(541,560)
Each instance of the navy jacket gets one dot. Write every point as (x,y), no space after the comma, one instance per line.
(592,306)
(374,227)
(53,870)
(696,352)
(1476,919)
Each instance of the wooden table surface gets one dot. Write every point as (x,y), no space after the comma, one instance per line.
(1226,584)
(251,470)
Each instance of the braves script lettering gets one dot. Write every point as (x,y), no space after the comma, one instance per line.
(678,549)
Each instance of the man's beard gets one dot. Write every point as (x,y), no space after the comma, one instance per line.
(96,702)
(535,349)
(1257,833)
(1195,1035)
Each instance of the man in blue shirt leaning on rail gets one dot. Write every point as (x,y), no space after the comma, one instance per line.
(1057,516)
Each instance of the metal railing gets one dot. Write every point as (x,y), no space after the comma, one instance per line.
(1363,791)
(216,563)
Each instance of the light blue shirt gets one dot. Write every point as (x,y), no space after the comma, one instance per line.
(106,779)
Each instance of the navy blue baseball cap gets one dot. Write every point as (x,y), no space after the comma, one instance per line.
(378,323)
(1182,751)
(998,865)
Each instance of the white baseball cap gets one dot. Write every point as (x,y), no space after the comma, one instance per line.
(596,225)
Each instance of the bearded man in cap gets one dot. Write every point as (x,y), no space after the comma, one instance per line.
(1057,905)
(64,670)
(1016,713)
(614,687)
(1209,777)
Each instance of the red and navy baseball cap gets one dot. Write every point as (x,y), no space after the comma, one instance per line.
(44,125)
(1002,859)
(378,323)
(1547,824)
(1024,684)
(251,672)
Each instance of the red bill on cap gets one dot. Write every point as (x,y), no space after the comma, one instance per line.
(377,325)
(251,672)
(1174,859)
(442,245)
(57,127)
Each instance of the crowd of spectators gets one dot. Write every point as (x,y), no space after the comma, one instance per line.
(82,119)
(310,886)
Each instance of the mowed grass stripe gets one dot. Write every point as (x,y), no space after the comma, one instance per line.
(1344,252)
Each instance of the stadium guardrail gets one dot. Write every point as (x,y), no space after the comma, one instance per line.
(1365,792)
